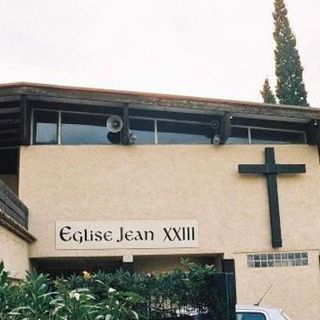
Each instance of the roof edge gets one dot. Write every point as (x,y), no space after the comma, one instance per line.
(24,86)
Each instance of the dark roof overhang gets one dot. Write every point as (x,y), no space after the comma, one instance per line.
(23,91)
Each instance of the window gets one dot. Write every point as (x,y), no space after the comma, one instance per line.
(260,136)
(76,128)
(238,136)
(45,127)
(252,135)
(183,133)
(143,130)
(83,129)
(153,131)
(283,259)
(250,316)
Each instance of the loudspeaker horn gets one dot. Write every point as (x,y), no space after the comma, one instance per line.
(114,124)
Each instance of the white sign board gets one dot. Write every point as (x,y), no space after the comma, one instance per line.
(79,235)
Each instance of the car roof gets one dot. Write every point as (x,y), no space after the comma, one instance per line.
(256,308)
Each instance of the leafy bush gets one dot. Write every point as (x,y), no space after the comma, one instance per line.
(112,296)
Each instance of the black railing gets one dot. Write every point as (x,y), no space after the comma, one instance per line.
(13,206)
(217,302)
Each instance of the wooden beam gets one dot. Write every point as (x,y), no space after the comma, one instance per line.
(9,122)
(126,127)
(23,117)
(313,132)
(9,110)
(15,140)
(10,98)
(225,128)
(9,131)
(59,100)
(9,223)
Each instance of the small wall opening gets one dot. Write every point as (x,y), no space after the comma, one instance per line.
(58,267)
(66,266)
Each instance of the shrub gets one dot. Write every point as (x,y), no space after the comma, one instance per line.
(112,296)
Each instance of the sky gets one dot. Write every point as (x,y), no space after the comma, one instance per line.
(208,48)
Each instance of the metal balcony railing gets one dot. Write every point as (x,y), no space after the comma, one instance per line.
(13,206)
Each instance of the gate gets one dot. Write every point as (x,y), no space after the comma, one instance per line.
(217,302)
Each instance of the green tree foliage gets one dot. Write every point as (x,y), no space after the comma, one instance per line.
(290,86)
(267,94)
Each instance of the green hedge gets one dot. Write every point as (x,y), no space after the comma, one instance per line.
(112,296)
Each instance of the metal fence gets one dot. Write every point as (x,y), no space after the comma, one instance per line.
(217,302)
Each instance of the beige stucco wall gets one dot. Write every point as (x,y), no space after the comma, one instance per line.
(185,182)
(295,289)
(14,253)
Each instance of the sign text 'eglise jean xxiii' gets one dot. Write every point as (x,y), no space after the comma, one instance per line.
(126,234)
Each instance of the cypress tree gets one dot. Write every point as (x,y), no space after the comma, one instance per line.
(267,94)
(290,87)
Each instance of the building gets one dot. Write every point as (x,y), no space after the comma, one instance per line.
(234,184)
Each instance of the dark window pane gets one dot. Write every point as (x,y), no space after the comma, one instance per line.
(238,136)
(84,129)
(183,133)
(143,131)
(260,136)
(45,127)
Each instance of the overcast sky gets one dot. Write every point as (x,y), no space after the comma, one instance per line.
(210,48)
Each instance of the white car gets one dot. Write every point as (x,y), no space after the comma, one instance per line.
(259,313)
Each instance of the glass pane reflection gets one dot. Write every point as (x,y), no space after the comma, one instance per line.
(143,131)
(46,127)
(183,133)
(83,129)
(260,136)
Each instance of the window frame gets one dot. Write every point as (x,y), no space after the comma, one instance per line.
(59,129)
(277,259)
(156,142)
(33,131)
(249,128)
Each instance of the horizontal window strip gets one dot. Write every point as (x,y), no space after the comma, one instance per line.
(76,128)
(281,259)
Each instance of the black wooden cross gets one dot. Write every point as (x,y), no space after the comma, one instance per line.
(270,169)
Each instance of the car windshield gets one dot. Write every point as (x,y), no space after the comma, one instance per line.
(250,316)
